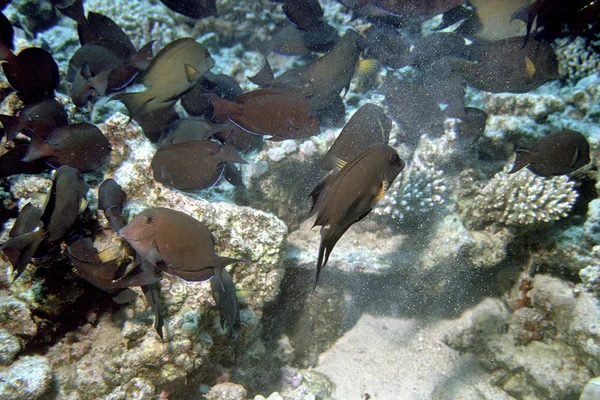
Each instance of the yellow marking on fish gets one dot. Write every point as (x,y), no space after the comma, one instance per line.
(382,190)
(366,67)
(575,158)
(190,72)
(529,67)
(83,205)
(339,163)
(110,253)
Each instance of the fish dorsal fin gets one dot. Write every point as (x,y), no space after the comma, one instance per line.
(575,158)
(191,73)
(382,189)
(529,67)
(339,164)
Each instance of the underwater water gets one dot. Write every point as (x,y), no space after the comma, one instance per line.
(300,199)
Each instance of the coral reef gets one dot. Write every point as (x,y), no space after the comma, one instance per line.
(522,198)
(577,58)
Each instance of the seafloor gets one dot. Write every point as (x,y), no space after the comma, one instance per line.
(464,283)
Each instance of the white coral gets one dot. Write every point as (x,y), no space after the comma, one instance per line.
(524,198)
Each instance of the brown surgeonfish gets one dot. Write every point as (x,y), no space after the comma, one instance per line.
(170,74)
(195,9)
(192,166)
(82,146)
(43,118)
(175,243)
(279,114)
(559,153)
(345,198)
(368,126)
(321,81)
(32,73)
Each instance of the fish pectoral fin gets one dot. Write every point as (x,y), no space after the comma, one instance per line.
(575,158)
(529,67)
(291,124)
(339,163)
(382,189)
(154,256)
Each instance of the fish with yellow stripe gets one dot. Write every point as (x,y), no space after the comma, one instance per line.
(346,197)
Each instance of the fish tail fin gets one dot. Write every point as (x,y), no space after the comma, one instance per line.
(521,161)
(38,148)
(152,293)
(100,82)
(5,52)
(328,241)
(265,76)
(74,11)
(141,59)
(224,293)
(134,102)
(229,153)
(20,249)
(12,126)
(225,261)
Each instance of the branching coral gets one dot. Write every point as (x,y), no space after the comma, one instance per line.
(523,198)
(577,59)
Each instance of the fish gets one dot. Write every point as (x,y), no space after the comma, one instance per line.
(305,14)
(293,41)
(321,81)
(6,37)
(192,166)
(346,197)
(278,114)
(110,200)
(438,45)
(175,243)
(471,126)
(32,73)
(11,163)
(411,8)
(82,146)
(195,9)
(414,109)
(558,153)
(170,74)
(368,126)
(509,65)
(224,293)
(387,45)
(29,219)
(218,84)
(189,130)
(43,118)
(156,122)
(63,205)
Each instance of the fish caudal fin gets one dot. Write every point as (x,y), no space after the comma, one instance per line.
(75,12)
(38,148)
(12,126)
(224,293)
(521,161)
(20,249)
(265,76)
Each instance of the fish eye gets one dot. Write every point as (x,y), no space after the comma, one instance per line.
(149,219)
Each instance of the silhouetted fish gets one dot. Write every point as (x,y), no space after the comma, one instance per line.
(33,73)
(176,243)
(82,146)
(110,200)
(170,74)
(29,219)
(154,123)
(6,37)
(509,65)
(471,126)
(559,153)
(387,45)
(278,114)
(192,166)
(415,110)
(223,291)
(344,198)
(43,118)
(11,163)
(189,130)
(193,8)
(368,126)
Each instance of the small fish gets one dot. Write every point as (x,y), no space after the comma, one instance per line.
(278,114)
(192,166)
(82,146)
(345,198)
(471,127)
(43,118)
(558,153)
(189,130)
(33,73)
(110,200)
(173,71)
(224,293)
(175,243)
(368,126)
(195,9)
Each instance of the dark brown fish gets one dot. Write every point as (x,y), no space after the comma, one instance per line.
(559,153)
(344,198)
(43,118)
(321,81)
(33,73)
(195,9)
(510,65)
(156,122)
(415,110)
(368,126)
(29,219)
(410,8)
(82,146)
(11,163)
(305,14)
(63,203)
(387,45)
(192,166)
(223,291)
(6,37)
(218,84)
(175,243)
(170,74)
(190,130)
(110,200)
